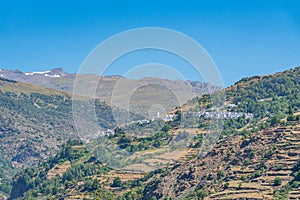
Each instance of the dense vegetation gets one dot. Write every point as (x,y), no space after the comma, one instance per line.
(35,181)
(267,96)
(6,172)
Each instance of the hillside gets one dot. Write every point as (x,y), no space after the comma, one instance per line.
(257,156)
(256,160)
(256,167)
(34,123)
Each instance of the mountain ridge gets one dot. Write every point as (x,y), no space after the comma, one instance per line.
(117,90)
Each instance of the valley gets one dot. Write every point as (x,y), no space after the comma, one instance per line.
(256,156)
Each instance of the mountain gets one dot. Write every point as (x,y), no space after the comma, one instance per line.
(17,75)
(34,123)
(117,90)
(256,157)
(256,160)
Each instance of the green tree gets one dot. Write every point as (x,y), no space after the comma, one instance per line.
(117,182)
(277,181)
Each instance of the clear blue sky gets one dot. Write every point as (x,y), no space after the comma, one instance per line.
(244,38)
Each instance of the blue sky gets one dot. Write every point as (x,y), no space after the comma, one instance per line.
(244,38)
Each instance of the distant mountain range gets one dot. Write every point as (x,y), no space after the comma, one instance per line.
(18,75)
(118,90)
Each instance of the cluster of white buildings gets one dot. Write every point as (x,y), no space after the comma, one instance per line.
(145,121)
(168,117)
(226,115)
(196,114)
(165,118)
(107,132)
(217,114)
(220,114)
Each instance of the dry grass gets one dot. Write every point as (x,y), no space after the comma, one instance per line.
(58,169)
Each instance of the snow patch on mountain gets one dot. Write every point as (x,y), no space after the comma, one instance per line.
(53,76)
(33,73)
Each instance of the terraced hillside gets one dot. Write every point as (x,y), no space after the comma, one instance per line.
(254,160)
(237,168)
(34,123)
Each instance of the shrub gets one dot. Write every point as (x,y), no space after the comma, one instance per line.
(220,174)
(226,185)
(117,182)
(277,181)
